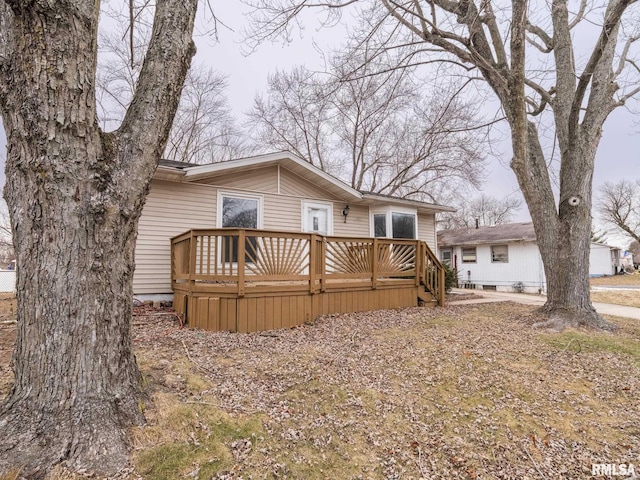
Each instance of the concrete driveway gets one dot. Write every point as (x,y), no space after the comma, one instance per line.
(529,299)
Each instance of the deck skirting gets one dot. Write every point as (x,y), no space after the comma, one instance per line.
(258,313)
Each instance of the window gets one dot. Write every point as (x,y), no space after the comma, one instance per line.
(445,256)
(404,225)
(238,211)
(317,217)
(499,254)
(391,223)
(469,255)
(379,224)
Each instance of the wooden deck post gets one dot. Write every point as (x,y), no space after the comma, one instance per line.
(313,262)
(417,262)
(441,287)
(322,267)
(192,260)
(374,265)
(241,254)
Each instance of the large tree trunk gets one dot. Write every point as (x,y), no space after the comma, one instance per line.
(563,233)
(75,196)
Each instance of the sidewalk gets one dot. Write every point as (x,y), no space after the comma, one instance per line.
(527,299)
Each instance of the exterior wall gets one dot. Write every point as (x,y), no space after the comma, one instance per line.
(256,180)
(292,184)
(524,265)
(427,230)
(600,261)
(173,208)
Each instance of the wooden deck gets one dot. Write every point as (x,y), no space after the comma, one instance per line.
(244,280)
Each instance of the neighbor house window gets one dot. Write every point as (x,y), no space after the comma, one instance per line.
(445,256)
(499,254)
(469,255)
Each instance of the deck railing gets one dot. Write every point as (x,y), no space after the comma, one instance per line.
(235,261)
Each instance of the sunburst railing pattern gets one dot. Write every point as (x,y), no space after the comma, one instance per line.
(233,260)
(348,256)
(277,256)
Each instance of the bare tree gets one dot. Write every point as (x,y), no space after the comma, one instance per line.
(634,248)
(203,130)
(75,195)
(486,210)
(619,206)
(375,132)
(525,53)
(293,116)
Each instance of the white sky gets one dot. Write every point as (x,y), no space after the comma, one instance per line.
(618,156)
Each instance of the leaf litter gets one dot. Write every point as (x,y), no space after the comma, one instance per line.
(468,392)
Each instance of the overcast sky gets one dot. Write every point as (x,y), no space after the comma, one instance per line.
(618,156)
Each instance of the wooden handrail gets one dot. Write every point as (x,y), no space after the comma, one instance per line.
(274,256)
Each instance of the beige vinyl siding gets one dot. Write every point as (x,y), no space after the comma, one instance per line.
(357,221)
(292,184)
(255,180)
(171,209)
(427,230)
(282,213)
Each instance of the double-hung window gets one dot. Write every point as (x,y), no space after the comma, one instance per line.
(237,210)
(469,255)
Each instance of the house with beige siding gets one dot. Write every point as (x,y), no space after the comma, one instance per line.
(272,192)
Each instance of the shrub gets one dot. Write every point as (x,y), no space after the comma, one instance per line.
(450,277)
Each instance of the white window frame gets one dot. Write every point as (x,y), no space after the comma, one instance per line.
(450,252)
(462,249)
(389,211)
(316,204)
(248,196)
(500,245)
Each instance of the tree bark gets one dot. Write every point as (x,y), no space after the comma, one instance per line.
(75,195)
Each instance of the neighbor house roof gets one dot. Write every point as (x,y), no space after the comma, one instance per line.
(507,233)
(190,173)
(510,232)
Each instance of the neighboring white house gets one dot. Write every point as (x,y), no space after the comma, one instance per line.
(507,258)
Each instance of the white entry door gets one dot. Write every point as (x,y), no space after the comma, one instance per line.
(317,218)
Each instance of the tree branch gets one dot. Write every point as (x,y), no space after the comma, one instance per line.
(147,122)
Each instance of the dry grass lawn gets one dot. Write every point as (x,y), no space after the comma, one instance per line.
(630,298)
(633,280)
(456,393)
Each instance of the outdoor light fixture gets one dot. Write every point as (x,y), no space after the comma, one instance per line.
(345,212)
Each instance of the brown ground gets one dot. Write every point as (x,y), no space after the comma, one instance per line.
(456,393)
(617,280)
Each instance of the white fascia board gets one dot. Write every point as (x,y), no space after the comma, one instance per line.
(168,173)
(431,207)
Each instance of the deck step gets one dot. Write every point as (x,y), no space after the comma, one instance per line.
(426,298)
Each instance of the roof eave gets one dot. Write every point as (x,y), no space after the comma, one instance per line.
(169,173)
(430,207)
